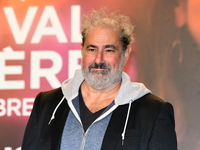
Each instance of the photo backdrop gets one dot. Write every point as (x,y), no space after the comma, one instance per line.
(40,48)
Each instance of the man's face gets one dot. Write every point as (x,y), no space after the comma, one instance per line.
(103,61)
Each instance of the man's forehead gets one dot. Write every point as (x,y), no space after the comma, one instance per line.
(102,36)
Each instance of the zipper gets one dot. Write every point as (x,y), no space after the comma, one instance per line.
(83,140)
(84,137)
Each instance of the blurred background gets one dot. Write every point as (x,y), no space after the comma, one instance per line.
(40,48)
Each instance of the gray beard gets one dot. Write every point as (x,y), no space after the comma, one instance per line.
(103,79)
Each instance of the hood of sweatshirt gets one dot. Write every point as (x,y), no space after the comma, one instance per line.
(128,90)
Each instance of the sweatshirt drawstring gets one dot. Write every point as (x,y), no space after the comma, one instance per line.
(53,115)
(127,117)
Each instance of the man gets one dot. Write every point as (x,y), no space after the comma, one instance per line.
(100,108)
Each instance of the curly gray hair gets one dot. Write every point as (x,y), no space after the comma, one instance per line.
(114,20)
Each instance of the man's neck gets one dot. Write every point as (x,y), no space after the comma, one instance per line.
(97,99)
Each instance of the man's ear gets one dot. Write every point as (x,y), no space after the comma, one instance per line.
(180,16)
(127,53)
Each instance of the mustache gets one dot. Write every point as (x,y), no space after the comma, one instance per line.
(100,66)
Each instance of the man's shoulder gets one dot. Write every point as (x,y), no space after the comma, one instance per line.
(54,96)
(151,104)
(150,99)
(52,93)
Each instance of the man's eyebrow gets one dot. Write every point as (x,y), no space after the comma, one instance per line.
(93,46)
(105,46)
(110,46)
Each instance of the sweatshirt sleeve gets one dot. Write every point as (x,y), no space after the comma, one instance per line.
(163,135)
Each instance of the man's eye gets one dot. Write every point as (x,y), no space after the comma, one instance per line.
(109,51)
(91,49)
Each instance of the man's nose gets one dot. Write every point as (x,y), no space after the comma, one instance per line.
(99,58)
